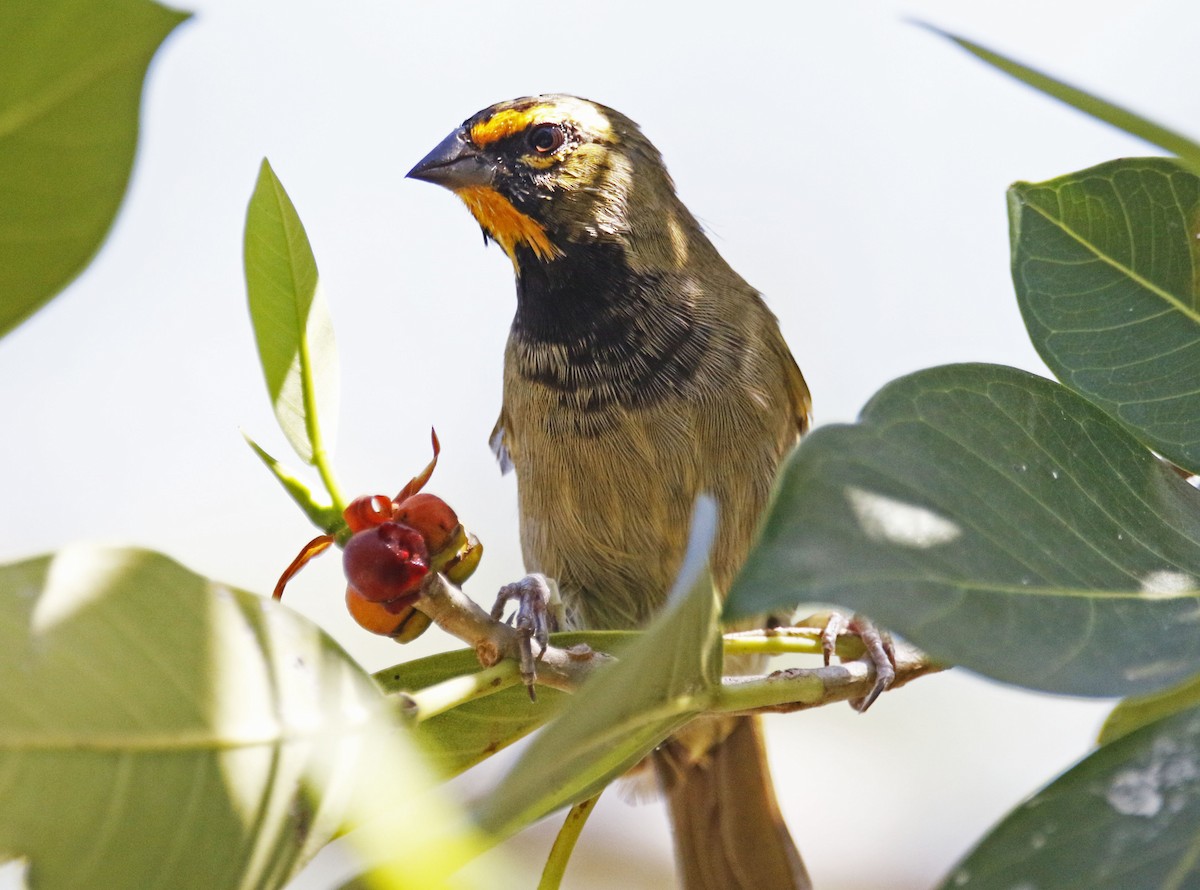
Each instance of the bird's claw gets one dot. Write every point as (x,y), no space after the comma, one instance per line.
(880,651)
(835,625)
(539,611)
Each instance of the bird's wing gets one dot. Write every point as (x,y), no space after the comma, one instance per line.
(499,445)
(798,395)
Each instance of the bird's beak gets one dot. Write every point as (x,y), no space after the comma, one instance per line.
(455,164)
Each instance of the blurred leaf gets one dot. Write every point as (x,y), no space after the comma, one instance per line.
(472,732)
(291,321)
(998,521)
(661,681)
(323,516)
(1121,118)
(1127,816)
(159,729)
(70,86)
(1106,264)
(1134,713)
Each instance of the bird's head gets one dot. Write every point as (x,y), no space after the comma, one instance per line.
(543,174)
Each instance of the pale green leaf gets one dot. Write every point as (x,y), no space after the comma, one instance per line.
(1142,710)
(71,76)
(160,730)
(661,681)
(477,729)
(323,516)
(292,326)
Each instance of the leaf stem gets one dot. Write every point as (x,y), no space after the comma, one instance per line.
(449,694)
(564,844)
(324,470)
(779,641)
(312,424)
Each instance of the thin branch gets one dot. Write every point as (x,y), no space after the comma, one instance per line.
(794,689)
(797,689)
(493,641)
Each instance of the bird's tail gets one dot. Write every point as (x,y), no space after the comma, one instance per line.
(729,833)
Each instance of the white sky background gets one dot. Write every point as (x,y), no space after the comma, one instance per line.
(849,165)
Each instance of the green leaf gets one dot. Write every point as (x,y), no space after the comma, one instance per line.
(291,322)
(1134,713)
(159,729)
(473,731)
(1106,264)
(1121,118)
(70,87)
(323,516)
(1127,816)
(998,521)
(661,681)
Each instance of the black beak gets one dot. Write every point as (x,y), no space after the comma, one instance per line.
(455,164)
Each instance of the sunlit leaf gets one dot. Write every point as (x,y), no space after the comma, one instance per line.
(998,521)
(1106,265)
(475,730)
(291,321)
(159,729)
(662,680)
(1138,711)
(71,76)
(1127,816)
(323,516)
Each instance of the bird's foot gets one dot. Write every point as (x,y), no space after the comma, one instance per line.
(539,611)
(878,645)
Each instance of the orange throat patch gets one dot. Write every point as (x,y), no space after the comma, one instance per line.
(505,224)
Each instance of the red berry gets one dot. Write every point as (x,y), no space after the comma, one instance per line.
(387,619)
(374,617)
(386,561)
(431,516)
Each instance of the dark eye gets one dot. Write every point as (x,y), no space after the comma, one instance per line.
(545,138)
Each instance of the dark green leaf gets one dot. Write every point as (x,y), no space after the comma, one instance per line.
(1121,118)
(1126,817)
(998,521)
(1106,264)
(71,76)
(291,321)
(159,729)
(471,732)
(1134,713)
(662,680)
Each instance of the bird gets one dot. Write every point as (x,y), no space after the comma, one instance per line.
(640,371)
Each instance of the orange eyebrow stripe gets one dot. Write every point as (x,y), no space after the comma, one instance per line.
(505,123)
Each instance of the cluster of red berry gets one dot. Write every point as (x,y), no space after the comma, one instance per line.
(394,543)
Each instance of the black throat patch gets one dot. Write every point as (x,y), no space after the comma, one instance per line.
(602,336)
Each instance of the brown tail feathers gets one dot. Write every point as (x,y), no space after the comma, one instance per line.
(729,833)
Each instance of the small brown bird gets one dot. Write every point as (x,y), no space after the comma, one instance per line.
(641,371)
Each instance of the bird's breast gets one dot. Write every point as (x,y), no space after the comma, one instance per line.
(605,494)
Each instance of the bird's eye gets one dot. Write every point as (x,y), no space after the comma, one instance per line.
(546,138)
